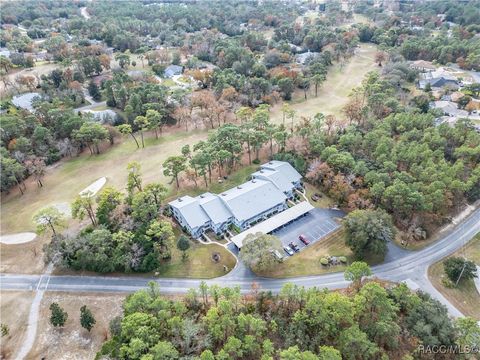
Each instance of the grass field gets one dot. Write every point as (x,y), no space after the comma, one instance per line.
(199,264)
(465,297)
(307,262)
(73,341)
(66,179)
(323,202)
(333,93)
(14,308)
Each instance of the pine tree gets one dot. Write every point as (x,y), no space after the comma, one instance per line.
(58,316)
(86,318)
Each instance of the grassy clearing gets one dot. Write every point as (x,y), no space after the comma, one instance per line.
(14,308)
(199,264)
(307,262)
(465,297)
(66,179)
(323,202)
(217,186)
(73,341)
(168,82)
(333,93)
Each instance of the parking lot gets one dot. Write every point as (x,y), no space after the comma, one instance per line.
(315,225)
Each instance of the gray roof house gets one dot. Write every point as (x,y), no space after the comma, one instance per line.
(302,58)
(439,82)
(25,101)
(173,70)
(256,200)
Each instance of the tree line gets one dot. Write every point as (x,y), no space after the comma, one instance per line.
(368,321)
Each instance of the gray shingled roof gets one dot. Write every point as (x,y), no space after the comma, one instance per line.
(280,173)
(252,198)
(214,208)
(25,101)
(191,210)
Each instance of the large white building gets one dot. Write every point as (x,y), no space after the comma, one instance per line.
(256,200)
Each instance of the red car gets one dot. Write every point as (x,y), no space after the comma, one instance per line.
(303,239)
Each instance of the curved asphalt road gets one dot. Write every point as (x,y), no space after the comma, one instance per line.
(411,266)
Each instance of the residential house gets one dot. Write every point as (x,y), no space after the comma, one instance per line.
(444,81)
(173,70)
(423,66)
(25,101)
(263,196)
(301,59)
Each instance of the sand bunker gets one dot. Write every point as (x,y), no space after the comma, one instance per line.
(19,238)
(93,188)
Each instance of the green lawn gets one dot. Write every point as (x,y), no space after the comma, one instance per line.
(323,202)
(465,297)
(307,262)
(334,93)
(199,264)
(235,178)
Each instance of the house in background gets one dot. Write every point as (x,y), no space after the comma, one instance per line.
(444,81)
(423,66)
(173,70)
(256,200)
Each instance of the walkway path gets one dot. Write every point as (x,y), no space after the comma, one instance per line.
(34,312)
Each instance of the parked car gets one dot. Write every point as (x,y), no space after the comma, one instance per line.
(277,254)
(304,239)
(288,250)
(294,246)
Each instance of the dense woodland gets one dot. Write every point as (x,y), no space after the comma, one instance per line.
(367,322)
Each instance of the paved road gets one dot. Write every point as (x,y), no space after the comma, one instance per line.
(410,266)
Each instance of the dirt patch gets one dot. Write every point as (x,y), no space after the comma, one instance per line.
(26,258)
(74,342)
(14,308)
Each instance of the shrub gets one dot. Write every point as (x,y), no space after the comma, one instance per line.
(342,259)
(324,261)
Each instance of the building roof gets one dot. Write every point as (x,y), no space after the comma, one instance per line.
(274,222)
(243,202)
(214,208)
(191,211)
(449,108)
(252,198)
(25,101)
(422,64)
(302,58)
(173,70)
(280,173)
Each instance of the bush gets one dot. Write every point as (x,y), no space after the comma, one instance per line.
(256,161)
(324,261)
(342,259)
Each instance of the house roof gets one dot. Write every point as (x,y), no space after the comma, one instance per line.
(214,208)
(252,198)
(242,202)
(191,211)
(173,70)
(449,108)
(25,101)
(280,173)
